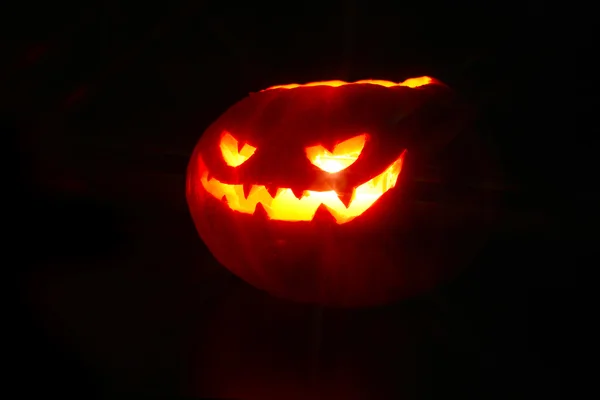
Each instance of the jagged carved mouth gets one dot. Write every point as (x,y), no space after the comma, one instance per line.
(283,204)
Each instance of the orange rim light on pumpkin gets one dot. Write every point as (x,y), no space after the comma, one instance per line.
(411,83)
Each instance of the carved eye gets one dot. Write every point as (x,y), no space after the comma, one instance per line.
(344,154)
(235,153)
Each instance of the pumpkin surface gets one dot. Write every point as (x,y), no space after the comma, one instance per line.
(305,191)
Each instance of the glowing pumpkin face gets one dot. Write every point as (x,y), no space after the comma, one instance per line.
(298,188)
(287,204)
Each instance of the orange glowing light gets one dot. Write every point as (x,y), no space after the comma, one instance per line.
(232,154)
(411,83)
(285,206)
(344,154)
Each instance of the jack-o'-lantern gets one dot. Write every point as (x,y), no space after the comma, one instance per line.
(305,190)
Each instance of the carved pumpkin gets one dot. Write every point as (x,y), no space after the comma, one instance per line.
(305,190)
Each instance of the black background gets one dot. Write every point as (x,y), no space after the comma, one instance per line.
(102,103)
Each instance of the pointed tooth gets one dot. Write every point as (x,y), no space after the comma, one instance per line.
(247,188)
(330,145)
(299,193)
(209,176)
(346,197)
(341,186)
(272,190)
(224,199)
(260,212)
(323,215)
(241,146)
